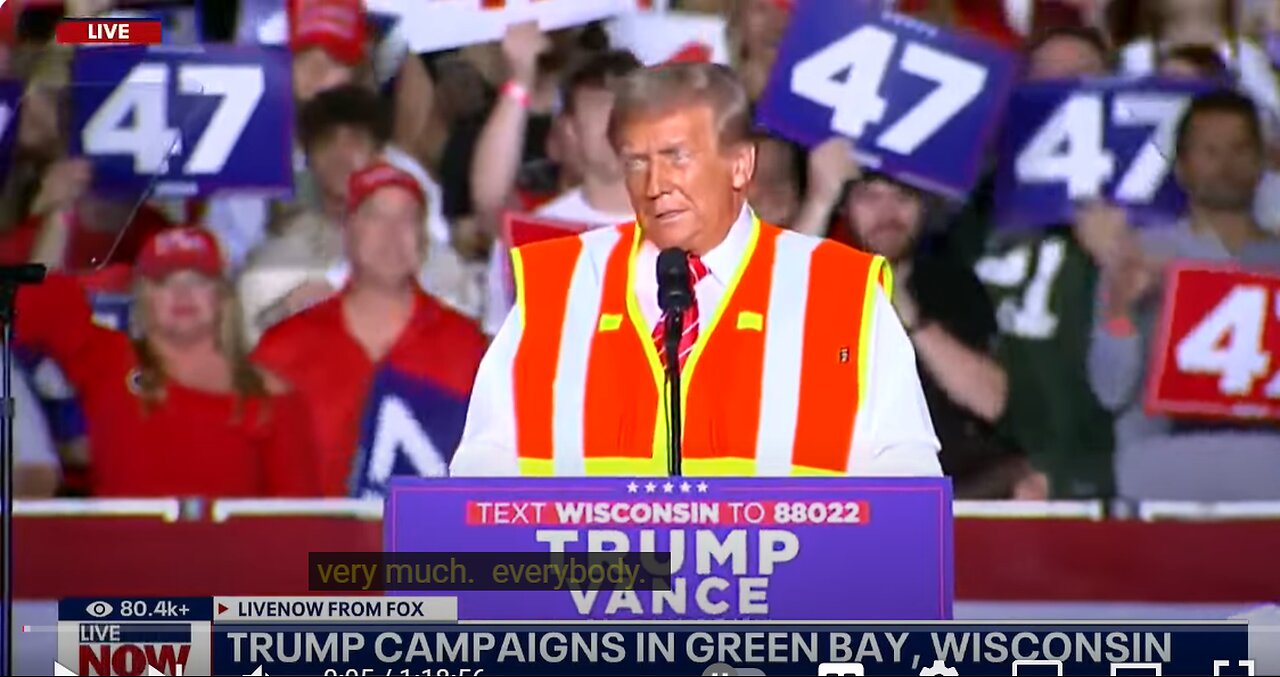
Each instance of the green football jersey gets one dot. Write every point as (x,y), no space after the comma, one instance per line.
(1043,290)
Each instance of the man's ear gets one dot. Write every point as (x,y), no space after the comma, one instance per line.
(568,131)
(744,164)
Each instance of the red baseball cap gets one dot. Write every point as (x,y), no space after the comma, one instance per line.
(695,51)
(181,248)
(8,22)
(365,182)
(336,26)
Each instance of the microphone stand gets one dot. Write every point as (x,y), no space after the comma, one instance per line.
(675,434)
(11,277)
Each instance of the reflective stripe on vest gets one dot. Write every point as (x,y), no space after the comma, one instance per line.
(777,393)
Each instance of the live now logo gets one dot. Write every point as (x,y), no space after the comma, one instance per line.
(109,32)
(60,669)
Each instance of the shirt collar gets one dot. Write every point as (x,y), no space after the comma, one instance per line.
(426,309)
(723,259)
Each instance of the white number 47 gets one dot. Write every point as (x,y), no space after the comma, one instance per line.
(1070,147)
(855,99)
(1228,343)
(134,119)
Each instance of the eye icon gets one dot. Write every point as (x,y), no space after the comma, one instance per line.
(99,609)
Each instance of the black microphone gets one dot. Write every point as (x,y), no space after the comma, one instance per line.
(675,295)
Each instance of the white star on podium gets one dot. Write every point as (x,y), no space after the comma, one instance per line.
(685,487)
(651,487)
(668,488)
(632,488)
(702,487)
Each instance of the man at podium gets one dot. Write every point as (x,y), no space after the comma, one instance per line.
(789,358)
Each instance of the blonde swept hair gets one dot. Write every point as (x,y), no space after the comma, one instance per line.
(659,90)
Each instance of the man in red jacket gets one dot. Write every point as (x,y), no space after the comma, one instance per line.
(386,368)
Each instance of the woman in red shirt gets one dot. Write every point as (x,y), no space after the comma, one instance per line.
(178,411)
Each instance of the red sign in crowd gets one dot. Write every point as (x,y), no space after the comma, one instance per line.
(1215,354)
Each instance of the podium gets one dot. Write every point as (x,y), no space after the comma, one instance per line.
(789,549)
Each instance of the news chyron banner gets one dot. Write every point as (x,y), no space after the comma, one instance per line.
(419,636)
(207,636)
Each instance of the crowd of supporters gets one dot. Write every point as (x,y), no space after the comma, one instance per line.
(258,325)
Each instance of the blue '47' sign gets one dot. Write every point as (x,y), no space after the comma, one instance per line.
(186,122)
(1073,141)
(919,102)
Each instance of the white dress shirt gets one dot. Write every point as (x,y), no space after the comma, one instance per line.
(893,435)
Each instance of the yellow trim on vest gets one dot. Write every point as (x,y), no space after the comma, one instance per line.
(626,467)
(704,336)
(658,448)
(517,273)
(868,321)
(610,322)
(536,467)
(750,320)
(693,467)
(881,264)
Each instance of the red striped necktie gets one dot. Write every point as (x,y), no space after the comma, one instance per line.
(697,271)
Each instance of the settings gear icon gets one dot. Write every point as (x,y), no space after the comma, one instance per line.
(939,669)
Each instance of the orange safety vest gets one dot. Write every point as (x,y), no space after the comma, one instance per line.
(772,387)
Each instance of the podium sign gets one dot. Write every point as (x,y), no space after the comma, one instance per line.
(1218,348)
(741,549)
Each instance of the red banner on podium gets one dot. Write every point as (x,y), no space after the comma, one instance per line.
(1217,353)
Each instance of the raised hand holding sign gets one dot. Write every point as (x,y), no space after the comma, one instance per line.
(435,25)
(191,122)
(1073,141)
(660,36)
(1218,350)
(918,101)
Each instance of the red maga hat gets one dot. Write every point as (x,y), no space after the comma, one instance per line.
(182,248)
(365,182)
